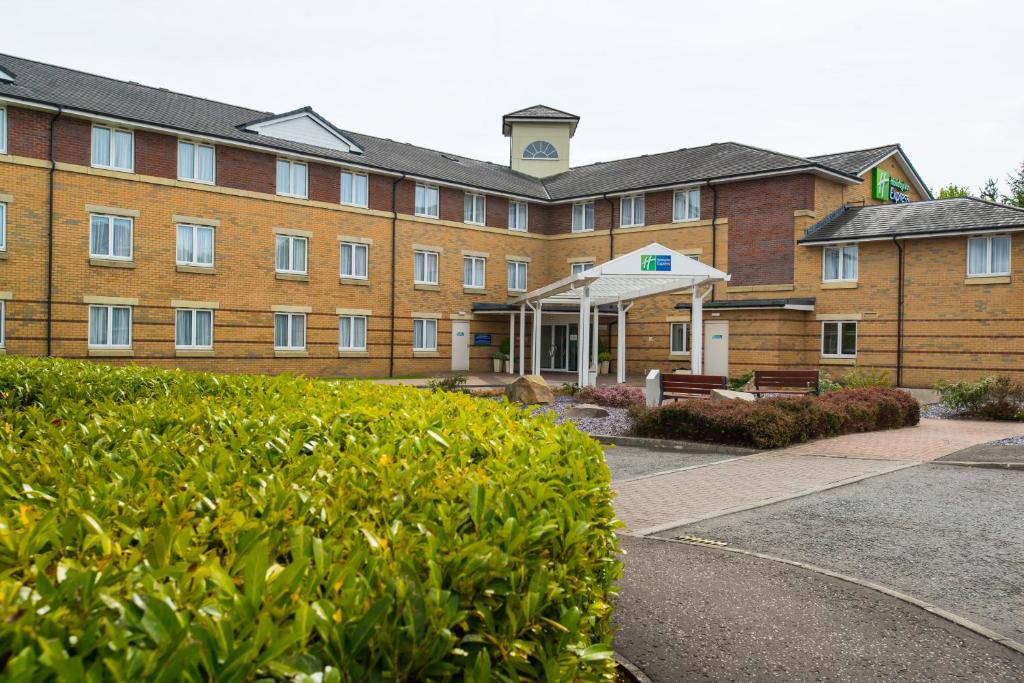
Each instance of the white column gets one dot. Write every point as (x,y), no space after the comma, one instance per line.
(697,333)
(583,346)
(522,340)
(620,361)
(512,343)
(536,337)
(595,337)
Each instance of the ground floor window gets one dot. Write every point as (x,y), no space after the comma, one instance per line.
(473,271)
(193,328)
(517,276)
(839,338)
(352,333)
(579,267)
(680,337)
(290,331)
(110,326)
(424,334)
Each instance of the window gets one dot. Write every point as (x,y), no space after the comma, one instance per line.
(195,162)
(473,268)
(583,216)
(3,131)
(517,276)
(680,338)
(291,178)
(291,254)
(686,205)
(193,328)
(518,215)
(354,260)
(352,333)
(632,211)
(3,227)
(110,237)
(839,339)
(540,149)
(426,201)
(840,263)
(195,245)
(476,212)
(289,331)
(354,189)
(424,334)
(113,148)
(577,268)
(988,256)
(425,267)
(110,327)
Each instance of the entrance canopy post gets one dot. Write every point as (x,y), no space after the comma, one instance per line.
(620,360)
(522,340)
(512,344)
(535,338)
(595,345)
(697,333)
(583,339)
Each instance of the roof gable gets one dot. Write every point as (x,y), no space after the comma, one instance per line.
(539,112)
(860,161)
(304,126)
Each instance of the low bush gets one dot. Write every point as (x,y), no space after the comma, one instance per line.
(740,381)
(777,422)
(859,378)
(612,395)
(447,383)
(160,525)
(996,398)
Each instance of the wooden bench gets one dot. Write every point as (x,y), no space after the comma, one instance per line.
(799,382)
(677,386)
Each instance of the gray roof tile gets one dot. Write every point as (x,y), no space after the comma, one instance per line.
(856,161)
(540,111)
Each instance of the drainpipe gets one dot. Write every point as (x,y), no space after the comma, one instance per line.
(394,274)
(611,227)
(714,229)
(49,235)
(899,315)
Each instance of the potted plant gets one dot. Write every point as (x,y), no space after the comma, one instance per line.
(606,359)
(506,352)
(498,357)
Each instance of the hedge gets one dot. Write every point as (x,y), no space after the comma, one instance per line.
(162,525)
(777,422)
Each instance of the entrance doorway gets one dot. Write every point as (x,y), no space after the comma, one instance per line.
(558,347)
(460,345)
(716,347)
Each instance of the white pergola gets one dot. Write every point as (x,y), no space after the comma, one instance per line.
(649,271)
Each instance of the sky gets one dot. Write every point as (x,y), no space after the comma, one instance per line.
(944,79)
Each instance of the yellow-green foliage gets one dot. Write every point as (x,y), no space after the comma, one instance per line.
(159,525)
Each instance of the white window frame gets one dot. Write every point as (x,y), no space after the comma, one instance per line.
(305,331)
(355,195)
(425,323)
(513,216)
(3,227)
(842,248)
(196,146)
(192,312)
(474,208)
(290,270)
(672,338)
(355,246)
(475,261)
(3,131)
(352,319)
(839,339)
(582,227)
(580,266)
(292,165)
(988,255)
(515,266)
(427,256)
(112,130)
(110,326)
(637,209)
(437,203)
(109,256)
(194,263)
(676,218)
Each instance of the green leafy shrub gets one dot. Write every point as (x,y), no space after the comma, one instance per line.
(826,384)
(997,398)
(447,383)
(859,378)
(777,422)
(171,526)
(612,395)
(737,383)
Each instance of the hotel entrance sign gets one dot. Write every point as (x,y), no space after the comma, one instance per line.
(656,262)
(885,187)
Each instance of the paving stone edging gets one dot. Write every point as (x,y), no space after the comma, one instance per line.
(636,672)
(667,445)
(926,606)
(983,465)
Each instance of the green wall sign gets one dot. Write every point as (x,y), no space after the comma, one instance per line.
(887,188)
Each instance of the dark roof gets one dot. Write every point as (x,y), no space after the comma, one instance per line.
(858,160)
(753,303)
(133,102)
(916,219)
(539,111)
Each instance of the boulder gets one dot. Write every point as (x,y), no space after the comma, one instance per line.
(530,390)
(727,395)
(586,410)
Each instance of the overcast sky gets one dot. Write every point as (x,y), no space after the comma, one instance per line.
(942,78)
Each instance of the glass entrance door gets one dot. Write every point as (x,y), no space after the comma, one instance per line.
(558,347)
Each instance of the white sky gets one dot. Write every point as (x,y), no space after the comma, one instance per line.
(942,78)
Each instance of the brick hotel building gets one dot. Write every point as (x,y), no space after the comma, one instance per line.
(142,225)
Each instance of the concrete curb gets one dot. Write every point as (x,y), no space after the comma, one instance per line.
(666,445)
(926,606)
(673,471)
(983,465)
(632,668)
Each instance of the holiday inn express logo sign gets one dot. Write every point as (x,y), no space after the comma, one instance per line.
(888,188)
(656,262)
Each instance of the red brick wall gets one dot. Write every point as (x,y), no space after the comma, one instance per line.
(380,192)
(245,169)
(28,132)
(156,154)
(324,183)
(497,212)
(74,141)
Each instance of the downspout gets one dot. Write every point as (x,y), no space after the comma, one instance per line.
(394,274)
(714,229)
(899,314)
(49,235)
(611,249)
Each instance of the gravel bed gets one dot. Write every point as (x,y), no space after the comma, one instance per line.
(616,424)
(1010,441)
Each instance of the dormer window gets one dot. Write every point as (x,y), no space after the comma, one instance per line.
(540,149)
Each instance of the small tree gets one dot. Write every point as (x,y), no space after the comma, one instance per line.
(990,191)
(1016,183)
(953,190)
